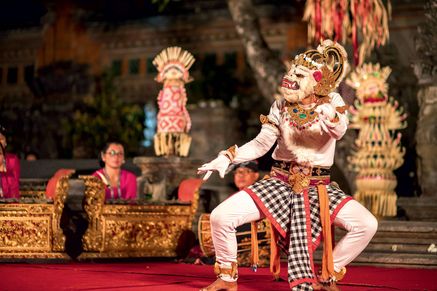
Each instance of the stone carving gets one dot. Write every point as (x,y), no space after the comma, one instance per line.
(160,176)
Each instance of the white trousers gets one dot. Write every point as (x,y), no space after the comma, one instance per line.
(240,208)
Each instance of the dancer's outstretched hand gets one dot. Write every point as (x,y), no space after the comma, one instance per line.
(219,164)
(326,111)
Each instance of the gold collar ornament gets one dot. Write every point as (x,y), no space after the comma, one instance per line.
(303,118)
(300,117)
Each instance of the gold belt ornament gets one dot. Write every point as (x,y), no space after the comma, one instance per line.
(299,177)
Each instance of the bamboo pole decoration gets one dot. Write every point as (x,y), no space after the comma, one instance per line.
(378,149)
(173,120)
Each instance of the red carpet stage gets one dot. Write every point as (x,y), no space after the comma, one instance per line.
(162,276)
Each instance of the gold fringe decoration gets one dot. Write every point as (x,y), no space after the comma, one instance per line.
(232,272)
(378,202)
(379,150)
(361,20)
(172,143)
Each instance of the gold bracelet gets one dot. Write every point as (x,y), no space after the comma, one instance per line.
(230,153)
(265,120)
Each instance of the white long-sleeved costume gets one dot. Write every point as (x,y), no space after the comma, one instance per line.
(297,198)
(315,146)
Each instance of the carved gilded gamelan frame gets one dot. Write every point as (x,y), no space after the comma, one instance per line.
(32,231)
(132,230)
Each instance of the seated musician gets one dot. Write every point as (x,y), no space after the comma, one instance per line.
(245,174)
(9,170)
(120,183)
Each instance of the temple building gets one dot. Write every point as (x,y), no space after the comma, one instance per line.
(81,48)
(49,66)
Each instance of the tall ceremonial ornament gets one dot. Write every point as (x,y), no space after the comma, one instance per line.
(173,120)
(364,21)
(379,151)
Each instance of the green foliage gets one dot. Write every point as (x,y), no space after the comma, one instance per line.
(104,117)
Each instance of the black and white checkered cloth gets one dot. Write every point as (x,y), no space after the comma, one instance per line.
(292,212)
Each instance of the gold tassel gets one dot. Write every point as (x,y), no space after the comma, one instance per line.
(172,143)
(184,145)
(379,203)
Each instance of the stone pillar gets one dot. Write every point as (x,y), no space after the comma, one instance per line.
(426,141)
(424,207)
(425,69)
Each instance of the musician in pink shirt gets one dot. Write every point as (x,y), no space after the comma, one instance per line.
(9,171)
(120,183)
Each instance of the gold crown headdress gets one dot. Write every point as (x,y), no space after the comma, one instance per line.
(330,58)
(173,57)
